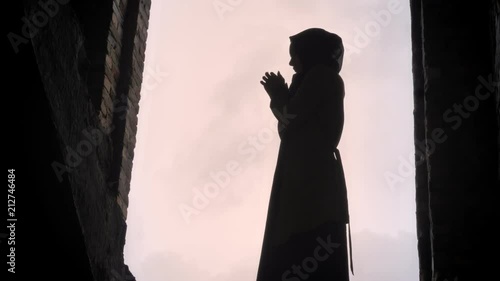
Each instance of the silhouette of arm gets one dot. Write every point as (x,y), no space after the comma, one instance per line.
(292,112)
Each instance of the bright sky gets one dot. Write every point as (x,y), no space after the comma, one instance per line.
(205,129)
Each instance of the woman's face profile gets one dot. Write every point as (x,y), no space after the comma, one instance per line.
(294,61)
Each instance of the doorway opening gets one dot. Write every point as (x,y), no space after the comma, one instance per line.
(207,141)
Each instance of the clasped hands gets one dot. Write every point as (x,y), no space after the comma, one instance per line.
(275,85)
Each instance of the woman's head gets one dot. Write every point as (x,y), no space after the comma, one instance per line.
(315,46)
(295,60)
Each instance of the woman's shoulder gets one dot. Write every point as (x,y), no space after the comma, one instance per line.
(322,68)
(330,79)
(326,74)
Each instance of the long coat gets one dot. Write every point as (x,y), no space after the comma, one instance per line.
(309,186)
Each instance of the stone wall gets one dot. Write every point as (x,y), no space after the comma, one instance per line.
(90,56)
(456,132)
(421,192)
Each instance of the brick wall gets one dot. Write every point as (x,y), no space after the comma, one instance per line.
(121,94)
(90,56)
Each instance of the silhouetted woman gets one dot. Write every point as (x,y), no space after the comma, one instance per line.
(305,234)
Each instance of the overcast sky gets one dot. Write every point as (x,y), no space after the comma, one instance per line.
(207,142)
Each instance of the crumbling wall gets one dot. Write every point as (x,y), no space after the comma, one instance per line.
(92,81)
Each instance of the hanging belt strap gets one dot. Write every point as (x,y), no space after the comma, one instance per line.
(350,249)
(337,155)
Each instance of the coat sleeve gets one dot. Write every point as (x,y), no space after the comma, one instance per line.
(291,112)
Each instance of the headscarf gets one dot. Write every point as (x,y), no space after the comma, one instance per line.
(315,46)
